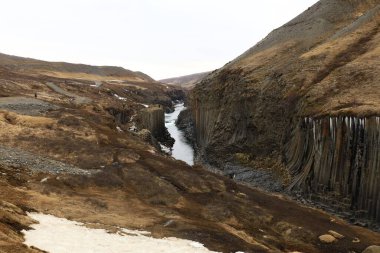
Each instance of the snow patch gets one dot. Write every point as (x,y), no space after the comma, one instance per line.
(165,149)
(44,180)
(120,98)
(58,235)
(96,84)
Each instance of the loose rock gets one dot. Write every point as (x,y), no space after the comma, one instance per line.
(336,234)
(372,249)
(327,238)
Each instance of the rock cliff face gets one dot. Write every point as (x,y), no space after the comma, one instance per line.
(338,158)
(323,66)
(153,119)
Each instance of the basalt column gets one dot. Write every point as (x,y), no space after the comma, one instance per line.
(338,157)
(153,119)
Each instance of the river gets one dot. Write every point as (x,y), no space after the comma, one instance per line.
(181,150)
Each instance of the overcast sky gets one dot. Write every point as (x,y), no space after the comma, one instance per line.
(163,38)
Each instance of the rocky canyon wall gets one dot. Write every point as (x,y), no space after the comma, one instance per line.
(338,156)
(153,119)
(323,65)
(235,119)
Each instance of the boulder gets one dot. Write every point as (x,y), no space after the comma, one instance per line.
(327,238)
(336,234)
(145,135)
(372,249)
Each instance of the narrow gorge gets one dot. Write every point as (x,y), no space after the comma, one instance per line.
(276,151)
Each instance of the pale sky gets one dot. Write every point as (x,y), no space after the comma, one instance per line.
(162,38)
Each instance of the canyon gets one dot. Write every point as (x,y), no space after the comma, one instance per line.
(74,149)
(277,151)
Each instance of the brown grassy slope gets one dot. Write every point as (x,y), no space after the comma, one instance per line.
(68,70)
(15,83)
(187,81)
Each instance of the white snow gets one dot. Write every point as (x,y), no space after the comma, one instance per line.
(119,97)
(133,128)
(132,118)
(96,84)
(58,235)
(165,149)
(44,180)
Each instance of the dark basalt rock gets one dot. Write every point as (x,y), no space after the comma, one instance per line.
(185,123)
(153,119)
(338,159)
(121,115)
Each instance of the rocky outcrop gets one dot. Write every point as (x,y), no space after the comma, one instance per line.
(176,94)
(372,249)
(234,118)
(184,123)
(153,119)
(339,157)
(121,115)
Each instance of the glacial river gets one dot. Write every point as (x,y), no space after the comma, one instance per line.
(182,150)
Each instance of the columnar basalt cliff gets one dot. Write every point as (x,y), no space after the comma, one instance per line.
(322,66)
(153,119)
(73,152)
(338,156)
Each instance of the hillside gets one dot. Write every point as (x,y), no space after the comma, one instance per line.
(68,70)
(303,103)
(187,81)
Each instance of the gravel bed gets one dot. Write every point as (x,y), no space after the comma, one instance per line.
(18,158)
(26,106)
